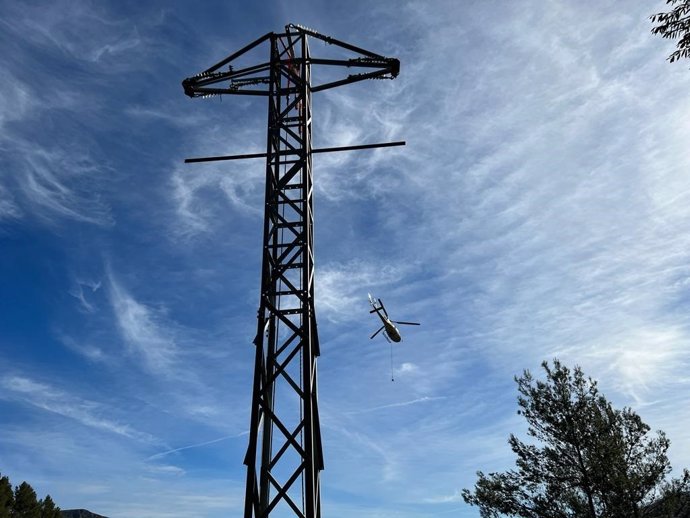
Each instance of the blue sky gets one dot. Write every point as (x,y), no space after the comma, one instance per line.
(539,210)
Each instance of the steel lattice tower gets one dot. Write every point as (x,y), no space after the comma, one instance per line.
(284,457)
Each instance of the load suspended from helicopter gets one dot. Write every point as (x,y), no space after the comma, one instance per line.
(390,332)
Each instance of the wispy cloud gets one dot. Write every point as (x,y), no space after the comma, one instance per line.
(56,176)
(165,469)
(203,193)
(87,412)
(417,401)
(166,114)
(120,45)
(341,288)
(47,180)
(76,30)
(197,445)
(640,361)
(387,460)
(195,194)
(173,360)
(15,100)
(8,206)
(87,350)
(454,497)
(53,184)
(193,217)
(77,291)
(140,328)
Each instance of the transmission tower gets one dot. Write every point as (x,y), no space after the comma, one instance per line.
(285,457)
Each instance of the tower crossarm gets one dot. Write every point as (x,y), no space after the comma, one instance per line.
(387,68)
(225,78)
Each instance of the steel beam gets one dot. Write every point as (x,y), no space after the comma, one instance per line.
(284,456)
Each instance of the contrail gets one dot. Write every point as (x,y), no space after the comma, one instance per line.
(164,453)
(394,405)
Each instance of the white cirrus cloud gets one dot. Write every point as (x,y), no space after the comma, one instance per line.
(341,287)
(77,291)
(143,330)
(202,193)
(8,206)
(84,33)
(55,184)
(49,398)
(88,350)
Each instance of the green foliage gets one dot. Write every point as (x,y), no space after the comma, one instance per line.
(22,503)
(6,497)
(25,503)
(584,458)
(675,24)
(48,508)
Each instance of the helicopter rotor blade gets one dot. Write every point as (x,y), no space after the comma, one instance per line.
(407,323)
(383,308)
(377,332)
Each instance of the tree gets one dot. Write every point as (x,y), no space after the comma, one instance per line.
(25,503)
(6,497)
(675,24)
(584,458)
(48,508)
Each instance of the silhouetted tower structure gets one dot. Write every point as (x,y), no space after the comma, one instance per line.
(284,457)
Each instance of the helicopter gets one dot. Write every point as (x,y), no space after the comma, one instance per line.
(390,332)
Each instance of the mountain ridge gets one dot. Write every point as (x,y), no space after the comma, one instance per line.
(79,513)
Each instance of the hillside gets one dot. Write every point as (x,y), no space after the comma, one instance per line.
(80,513)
